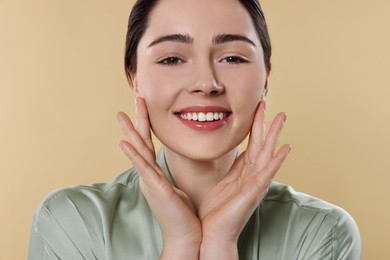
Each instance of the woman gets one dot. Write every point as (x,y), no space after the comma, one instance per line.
(200,70)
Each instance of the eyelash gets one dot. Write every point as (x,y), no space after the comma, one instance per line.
(170,61)
(173,60)
(235,60)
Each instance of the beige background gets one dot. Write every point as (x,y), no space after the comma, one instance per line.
(62,82)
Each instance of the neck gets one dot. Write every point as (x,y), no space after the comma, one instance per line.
(194,177)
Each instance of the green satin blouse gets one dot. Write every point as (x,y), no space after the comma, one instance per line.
(113,221)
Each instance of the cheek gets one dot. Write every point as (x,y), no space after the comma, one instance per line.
(158,88)
(245,86)
(245,91)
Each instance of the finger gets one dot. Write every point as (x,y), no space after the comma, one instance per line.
(135,139)
(256,138)
(264,178)
(147,172)
(159,193)
(268,149)
(143,123)
(235,170)
(270,170)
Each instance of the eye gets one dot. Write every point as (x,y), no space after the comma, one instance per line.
(234,60)
(170,61)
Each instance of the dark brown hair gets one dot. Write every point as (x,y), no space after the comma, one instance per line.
(138,22)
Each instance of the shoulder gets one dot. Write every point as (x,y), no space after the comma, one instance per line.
(283,197)
(93,193)
(325,225)
(75,222)
(71,207)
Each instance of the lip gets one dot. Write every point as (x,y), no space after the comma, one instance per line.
(210,125)
(204,109)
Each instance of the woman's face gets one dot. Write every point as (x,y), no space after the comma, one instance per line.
(201,71)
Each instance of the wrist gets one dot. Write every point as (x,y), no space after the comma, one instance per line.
(181,249)
(218,249)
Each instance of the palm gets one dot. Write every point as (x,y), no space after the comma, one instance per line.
(226,208)
(229,204)
(171,207)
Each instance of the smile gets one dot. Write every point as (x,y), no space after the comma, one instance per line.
(203,116)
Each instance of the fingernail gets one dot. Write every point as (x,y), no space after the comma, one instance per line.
(285,118)
(289,149)
(265,105)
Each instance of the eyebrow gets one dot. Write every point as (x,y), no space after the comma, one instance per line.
(223,38)
(177,37)
(187,39)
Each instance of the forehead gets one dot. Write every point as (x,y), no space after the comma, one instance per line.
(200,18)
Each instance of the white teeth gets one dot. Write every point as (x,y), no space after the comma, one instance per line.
(210,116)
(216,116)
(203,117)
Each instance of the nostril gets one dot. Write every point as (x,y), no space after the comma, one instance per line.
(214,92)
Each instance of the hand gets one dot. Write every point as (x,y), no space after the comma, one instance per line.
(228,206)
(174,211)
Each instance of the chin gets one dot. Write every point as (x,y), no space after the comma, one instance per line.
(202,151)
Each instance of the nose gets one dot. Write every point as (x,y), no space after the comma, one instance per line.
(205,81)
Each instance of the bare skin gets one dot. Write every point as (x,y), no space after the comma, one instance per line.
(213,229)
(202,53)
